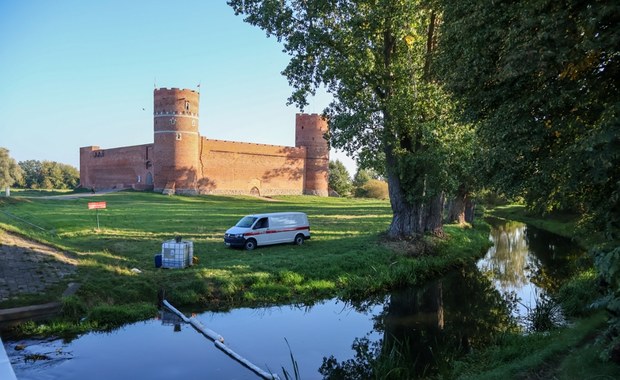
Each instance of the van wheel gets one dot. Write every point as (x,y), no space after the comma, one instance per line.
(299,239)
(250,244)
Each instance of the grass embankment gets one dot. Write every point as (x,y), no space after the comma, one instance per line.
(345,257)
(571,352)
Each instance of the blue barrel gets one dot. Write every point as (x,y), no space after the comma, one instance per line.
(158,260)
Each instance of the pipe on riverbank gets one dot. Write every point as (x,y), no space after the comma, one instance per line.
(218,340)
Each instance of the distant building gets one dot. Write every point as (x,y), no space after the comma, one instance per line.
(181,161)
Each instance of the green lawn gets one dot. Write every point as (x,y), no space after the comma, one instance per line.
(345,256)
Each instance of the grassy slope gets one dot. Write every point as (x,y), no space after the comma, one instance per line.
(344,257)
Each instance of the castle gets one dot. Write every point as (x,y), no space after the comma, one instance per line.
(181,161)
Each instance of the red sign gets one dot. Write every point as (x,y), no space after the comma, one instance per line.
(95,205)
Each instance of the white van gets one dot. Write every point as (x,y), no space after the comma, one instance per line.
(264,229)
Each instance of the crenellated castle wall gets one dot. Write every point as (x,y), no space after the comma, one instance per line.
(181,161)
(118,168)
(245,168)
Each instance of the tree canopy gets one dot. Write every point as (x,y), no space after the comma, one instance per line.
(541,80)
(48,175)
(10,172)
(339,178)
(374,57)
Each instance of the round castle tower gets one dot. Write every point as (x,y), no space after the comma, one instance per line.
(176,148)
(309,132)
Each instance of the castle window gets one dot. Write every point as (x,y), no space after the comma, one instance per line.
(178,136)
(186,105)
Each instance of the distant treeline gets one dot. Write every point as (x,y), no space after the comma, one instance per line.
(47,175)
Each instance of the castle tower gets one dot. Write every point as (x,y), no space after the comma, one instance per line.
(309,132)
(176,150)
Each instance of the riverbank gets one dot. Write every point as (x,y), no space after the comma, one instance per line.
(346,256)
(570,352)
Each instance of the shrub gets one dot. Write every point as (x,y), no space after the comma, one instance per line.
(374,188)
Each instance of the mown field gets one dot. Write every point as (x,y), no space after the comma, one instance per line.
(345,257)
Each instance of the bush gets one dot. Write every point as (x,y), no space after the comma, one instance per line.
(578,294)
(374,188)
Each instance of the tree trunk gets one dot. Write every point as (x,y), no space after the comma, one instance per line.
(470,207)
(412,220)
(456,212)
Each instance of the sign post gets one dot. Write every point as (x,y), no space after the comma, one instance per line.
(96,206)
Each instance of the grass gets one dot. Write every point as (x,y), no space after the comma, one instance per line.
(346,255)
(541,356)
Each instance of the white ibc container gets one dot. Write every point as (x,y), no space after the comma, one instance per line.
(177,254)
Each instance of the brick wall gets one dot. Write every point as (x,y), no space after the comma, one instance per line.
(126,167)
(244,168)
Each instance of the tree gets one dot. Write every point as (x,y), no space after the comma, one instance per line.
(361,177)
(10,172)
(540,79)
(339,179)
(49,175)
(374,57)
(32,174)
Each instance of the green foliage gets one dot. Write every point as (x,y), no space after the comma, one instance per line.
(549,128)
(10,172)
(339,179)
(373,188)
(607,261)
(48,175)
(540,80)
(375,58)
(577,294)
(73,308)
(110,316)
(362,176)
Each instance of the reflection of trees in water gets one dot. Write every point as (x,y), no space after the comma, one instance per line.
(556,257)
(508,258)
(523,255)
(425,328)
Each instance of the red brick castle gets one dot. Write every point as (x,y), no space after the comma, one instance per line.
(181,161)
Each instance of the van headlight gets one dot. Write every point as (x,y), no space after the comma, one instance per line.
(234,236)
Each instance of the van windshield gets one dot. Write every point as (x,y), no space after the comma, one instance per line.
(246,222)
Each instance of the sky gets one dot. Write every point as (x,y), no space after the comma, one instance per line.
(82,73)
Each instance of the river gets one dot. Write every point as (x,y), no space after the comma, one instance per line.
(432,324)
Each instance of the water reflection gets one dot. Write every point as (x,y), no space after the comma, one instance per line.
(527,263)
(425,328)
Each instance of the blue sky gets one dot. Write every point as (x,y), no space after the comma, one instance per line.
(80,73)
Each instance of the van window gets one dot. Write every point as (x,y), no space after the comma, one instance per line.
(246,222)
(262,223)
(284,220)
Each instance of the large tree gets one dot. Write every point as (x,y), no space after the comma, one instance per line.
(541,80)
(374,57)
(10,172)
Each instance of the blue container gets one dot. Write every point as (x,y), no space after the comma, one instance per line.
(158,260)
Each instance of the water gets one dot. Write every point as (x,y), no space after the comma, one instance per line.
(436,322)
